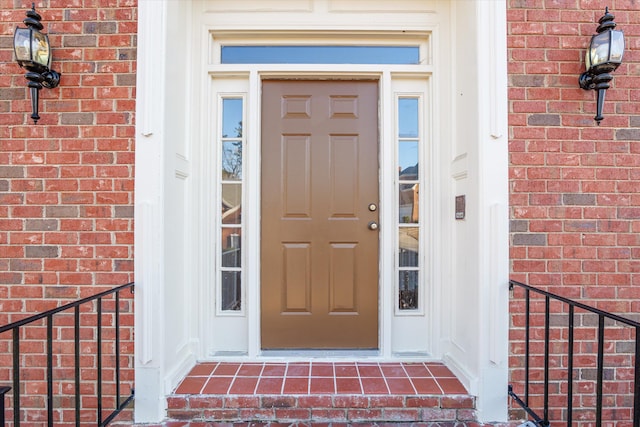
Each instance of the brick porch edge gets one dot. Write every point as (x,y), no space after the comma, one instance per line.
(322,408)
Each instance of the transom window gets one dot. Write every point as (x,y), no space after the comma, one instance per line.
(406,55)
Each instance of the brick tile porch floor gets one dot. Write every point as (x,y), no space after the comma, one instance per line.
(329,393)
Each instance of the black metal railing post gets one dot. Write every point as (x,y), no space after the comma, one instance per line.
(600,370)
(3,390)
(117,321)
(527,345)
(547,314)
(49,370)
(76,350)
(570,366)
(16,376)
(99,356)
(636,382)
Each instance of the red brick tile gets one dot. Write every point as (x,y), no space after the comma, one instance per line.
(400,386)
(270,385)
(274,370)
(348,385)
(311,401)
(466,402)
(328,415)
(426,386)
(296,386)
(374,386)
(225,369)
(386,402)
(176,403)
(250,369)
(298,370)
(451,385)
(244,385)
(440,371)
(242,402)
(423,402)
(185,414)
(278,402)
(439,415)
(466,415)
(417,370)
(369,370)
(393,370)
(359,415)
(322,370)
(217,385)
(396,414)
(351,402)
(202,369)
(322,385)
(258,414)
(205,402)
(191,385)
(342,370)
(291,414)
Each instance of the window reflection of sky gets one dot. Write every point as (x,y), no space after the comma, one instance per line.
(407,128)
(320,55)
(232,118)
(408,117)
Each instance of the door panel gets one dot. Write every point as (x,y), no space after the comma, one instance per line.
(319,278)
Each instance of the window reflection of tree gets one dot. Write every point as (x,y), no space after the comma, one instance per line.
(232,214)
(408,238)
(408,290)
(232,156)
(409,195)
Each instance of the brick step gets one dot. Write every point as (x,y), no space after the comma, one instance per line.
(331,409)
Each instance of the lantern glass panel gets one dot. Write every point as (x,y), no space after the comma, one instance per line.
(598,53)
(617,46)
(22,44)
(40,48)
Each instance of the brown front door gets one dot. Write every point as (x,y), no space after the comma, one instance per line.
(319,278)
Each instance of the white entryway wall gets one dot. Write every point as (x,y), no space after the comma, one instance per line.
(464,79)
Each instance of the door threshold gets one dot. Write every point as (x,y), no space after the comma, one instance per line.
(320,354)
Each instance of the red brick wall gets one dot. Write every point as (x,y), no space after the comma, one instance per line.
(66,184)
(574,186)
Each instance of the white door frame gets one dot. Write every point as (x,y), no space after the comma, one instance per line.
(230,328)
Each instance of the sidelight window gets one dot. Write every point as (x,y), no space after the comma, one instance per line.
(408,249)
(231,142)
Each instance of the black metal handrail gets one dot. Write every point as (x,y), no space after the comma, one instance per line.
(543,420)
(48,315)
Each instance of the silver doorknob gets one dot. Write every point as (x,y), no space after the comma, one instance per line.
(373,225)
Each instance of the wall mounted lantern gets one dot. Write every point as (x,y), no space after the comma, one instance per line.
(33,53)
(603,56)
